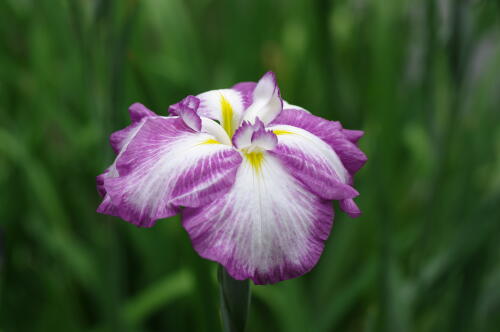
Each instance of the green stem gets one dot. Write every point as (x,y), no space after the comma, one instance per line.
(234,301)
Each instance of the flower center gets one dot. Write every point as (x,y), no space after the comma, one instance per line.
(255,159)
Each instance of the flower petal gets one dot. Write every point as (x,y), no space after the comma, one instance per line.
(266,100)
(242,138)
(353,135)
(246,90)
(167,165)
(268,227)
(313,162)
(191,119)
(211,127)
(225,106)
(254,137)
(287,106)
(120,139)
(186,109)
(264,139)
(349,207)
(137,113)
(329,131)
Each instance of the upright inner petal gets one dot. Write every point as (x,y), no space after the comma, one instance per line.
(267,103)
(224,106)
(211,127)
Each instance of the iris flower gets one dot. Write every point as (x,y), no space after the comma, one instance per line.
(252,176)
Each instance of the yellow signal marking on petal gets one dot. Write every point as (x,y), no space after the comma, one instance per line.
(209,141)
(255,159)
(227,115)
(281,132)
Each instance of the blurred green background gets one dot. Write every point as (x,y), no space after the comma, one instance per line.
(422,78)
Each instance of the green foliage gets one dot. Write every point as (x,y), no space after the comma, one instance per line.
(422,78)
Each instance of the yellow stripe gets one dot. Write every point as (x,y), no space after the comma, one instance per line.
(209,141)
(282,132)
(226,116)
(255,159)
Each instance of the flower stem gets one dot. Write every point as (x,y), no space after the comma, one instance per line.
(234,301)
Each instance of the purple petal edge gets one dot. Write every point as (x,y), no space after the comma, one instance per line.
(246,91)
(329,131)
(350,207)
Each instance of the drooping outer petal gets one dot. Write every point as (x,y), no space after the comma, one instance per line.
(268,227)
(313,162)
(266,100)
(329,131)
(120,139)
(224,105)
(167,165)
(125,136)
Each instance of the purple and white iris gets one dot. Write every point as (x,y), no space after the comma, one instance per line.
(252,176)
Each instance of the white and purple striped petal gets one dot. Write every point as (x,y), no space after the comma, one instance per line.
(313,162)
(119,141)
(165,166)
(342,141)
(268,227)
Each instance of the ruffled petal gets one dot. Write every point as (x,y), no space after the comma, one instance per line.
(264,139)
(138,112)
(252,137)
(266,100)
(165,166)
(329,131)
(224,105)
(268,227)
(242,138)
(120,139)
(313,162)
